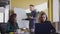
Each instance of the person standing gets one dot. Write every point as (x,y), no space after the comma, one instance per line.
(32,19)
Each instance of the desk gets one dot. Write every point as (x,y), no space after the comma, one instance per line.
(21,31)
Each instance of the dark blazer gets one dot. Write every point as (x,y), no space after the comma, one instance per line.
(44,28)
(32,21)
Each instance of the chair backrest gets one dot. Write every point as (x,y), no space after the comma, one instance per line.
(3,27)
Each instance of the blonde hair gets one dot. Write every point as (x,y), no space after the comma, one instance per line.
(39,16)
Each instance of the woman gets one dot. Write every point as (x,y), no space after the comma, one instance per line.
(43,26)
(12,25)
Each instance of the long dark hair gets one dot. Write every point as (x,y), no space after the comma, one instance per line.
(11,18)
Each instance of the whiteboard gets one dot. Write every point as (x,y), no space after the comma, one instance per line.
(21,14)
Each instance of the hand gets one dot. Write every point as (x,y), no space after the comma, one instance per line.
(31,17)
(23,19)
(15,33)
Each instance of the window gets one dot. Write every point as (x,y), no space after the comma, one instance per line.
(1,17)
(4,14)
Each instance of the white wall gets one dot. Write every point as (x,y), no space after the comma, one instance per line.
(55,11)
(56,14)
(39,7)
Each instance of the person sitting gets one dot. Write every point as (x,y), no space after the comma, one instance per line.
(12,25)
(43,26)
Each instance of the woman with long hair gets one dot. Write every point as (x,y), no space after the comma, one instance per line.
(43,26)
(12,25)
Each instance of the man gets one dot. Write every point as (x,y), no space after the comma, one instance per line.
(31,18)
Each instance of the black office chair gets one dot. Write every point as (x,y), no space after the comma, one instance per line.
(3,28)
